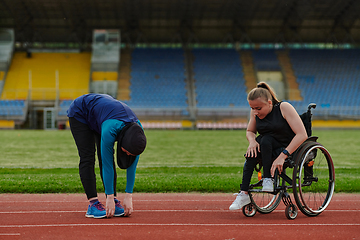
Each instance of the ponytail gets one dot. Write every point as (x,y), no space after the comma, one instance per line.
(264,91)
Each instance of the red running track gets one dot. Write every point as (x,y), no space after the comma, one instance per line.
(170,216)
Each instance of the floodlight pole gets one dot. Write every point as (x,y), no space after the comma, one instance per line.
(30,84)
(57,99)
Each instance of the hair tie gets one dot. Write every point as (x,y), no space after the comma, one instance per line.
(262,86)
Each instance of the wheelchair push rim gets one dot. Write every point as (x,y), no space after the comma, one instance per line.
(314,179)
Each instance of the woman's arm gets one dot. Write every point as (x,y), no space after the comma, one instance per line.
(109,132)
(254,146)
(130,180)
(296,124)
(130,176)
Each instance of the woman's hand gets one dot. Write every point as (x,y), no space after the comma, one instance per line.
(110,206)
(253,149)
(128,206)
(278,164)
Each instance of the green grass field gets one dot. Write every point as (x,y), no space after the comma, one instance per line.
(37,161)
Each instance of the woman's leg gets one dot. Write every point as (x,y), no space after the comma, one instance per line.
(249,167)
(267,145)
(85,142)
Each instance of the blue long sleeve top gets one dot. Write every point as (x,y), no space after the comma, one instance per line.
(107,116)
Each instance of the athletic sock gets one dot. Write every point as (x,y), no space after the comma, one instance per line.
(93,201)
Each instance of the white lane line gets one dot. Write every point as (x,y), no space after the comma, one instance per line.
(154,200)
(162,210)
(176,224)
(9,234)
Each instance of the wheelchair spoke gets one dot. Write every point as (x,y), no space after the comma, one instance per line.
(264,202)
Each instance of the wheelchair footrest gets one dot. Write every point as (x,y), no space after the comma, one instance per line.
(287,199)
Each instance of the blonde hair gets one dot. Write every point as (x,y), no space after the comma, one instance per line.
(264,91)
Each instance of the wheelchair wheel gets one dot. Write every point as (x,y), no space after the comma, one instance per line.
(291,212)
(249,210)
(263,201)
(313,179)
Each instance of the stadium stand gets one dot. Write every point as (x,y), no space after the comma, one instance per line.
(105,59)
(219,78)
(222,51)
(249,70)
(9,108)
(157,78)
(329,78)
(40,69)
(7,38)
(123,92)
(265,60)
(104,76)
(289,77)
(63,107)
(11,112)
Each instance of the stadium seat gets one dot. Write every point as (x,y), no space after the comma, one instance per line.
(219,78)
(328,77)
(158,78)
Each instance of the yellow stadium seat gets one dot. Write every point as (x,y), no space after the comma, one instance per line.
(101,76)
(41,72)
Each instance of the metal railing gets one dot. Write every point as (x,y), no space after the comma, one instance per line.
(42,94)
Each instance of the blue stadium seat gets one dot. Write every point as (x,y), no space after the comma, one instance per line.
(219,78)
(63,107)
(158,78)
(265,60)
(328,77)
(12,108)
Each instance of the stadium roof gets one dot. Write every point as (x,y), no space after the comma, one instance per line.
(184,21)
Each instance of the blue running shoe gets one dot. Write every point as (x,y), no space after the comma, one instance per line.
(96,210)
(119,210)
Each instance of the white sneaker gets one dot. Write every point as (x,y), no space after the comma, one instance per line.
(268,185)
(241,200)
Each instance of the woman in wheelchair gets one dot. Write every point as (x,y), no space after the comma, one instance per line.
(281,132)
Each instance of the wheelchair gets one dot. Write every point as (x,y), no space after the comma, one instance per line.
(312,180)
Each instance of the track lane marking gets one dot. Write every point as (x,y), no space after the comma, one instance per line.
(163,210)
(169,200)
(176,224)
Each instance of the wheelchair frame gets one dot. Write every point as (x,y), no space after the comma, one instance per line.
(312,182)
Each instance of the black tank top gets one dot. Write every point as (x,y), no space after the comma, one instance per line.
(276,126)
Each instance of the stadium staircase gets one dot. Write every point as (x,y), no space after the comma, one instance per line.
(190,84)
(6,53)
(123,92)
(293,92)
(249,70)
(105,59)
